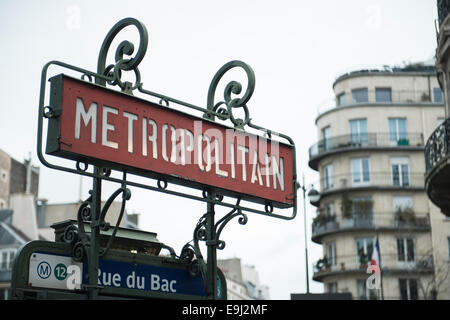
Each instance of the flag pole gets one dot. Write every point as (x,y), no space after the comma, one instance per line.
(381,270)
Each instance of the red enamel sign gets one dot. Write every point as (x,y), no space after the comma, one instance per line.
(104,127)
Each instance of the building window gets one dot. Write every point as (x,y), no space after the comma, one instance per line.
(6,259)
(360,95)
(397,131)
(328,177)
(364,249)
(408,289)
(341,99)
(405,250)
(358,131)
(383,95)
(400,172)
(329,209)
(362,211)
(326,134)
(437,95)
(402,203)
(331,253)
(364,293)
(360,171)
(332,287)
(403,211)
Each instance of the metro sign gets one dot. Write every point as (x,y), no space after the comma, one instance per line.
(103,127)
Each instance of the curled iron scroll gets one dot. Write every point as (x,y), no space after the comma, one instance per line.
(233,87)
(124,48)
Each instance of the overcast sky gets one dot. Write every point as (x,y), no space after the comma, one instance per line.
(296,49)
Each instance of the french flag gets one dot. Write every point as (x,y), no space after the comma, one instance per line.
(375,261)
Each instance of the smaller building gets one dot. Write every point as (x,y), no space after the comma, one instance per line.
(251,279)
(16,177)
(48,214)
(24,217)
(242,281)
(11,239)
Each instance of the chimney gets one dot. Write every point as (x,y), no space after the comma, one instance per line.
(28,177)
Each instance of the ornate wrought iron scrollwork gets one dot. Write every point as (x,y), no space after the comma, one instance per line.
(191,251)
(77,236)
(126,195)
(70,234)
(230,103)
(114,71)
(225,219)
(79,251)
(437,147)
(191,254)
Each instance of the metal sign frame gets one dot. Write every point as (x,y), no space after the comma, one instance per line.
(182,149)
(88,246)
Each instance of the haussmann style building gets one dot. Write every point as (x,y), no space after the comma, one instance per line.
(370,159)
(437,164)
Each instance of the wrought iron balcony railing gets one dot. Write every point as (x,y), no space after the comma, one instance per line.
(438,145)
(366,140)
(437,167)
(443,10)
(388,180)
(391,263)
(383,221)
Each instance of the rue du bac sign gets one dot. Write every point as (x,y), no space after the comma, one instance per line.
(103,127)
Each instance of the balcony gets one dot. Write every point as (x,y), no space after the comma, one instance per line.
(370,181)
(354,265)
(443,10)
(395,97)
(437,167)
(382,221)
(325,147)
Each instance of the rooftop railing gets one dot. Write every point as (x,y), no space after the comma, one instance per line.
(372,97)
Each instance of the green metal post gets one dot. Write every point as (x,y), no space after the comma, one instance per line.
(306,237)
(95,235)
(211,242)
